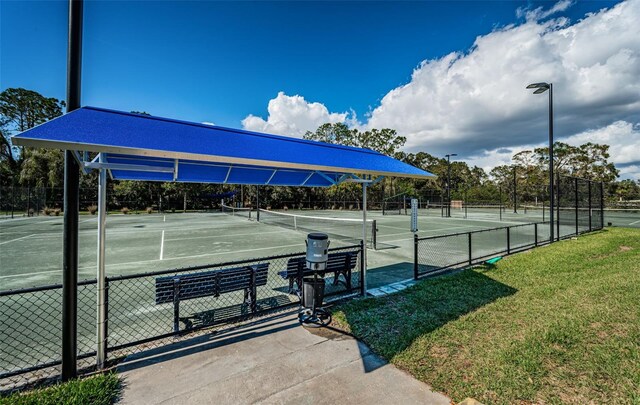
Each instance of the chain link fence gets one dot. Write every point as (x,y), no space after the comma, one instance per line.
(579,210)
(143,313)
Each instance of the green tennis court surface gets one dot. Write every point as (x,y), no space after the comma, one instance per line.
(31,248)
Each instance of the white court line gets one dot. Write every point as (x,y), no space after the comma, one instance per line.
(13,240)
(229,236)
(87,220)
(32,274)
(162,245)
(635,222)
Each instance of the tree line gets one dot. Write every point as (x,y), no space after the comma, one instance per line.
(42,169)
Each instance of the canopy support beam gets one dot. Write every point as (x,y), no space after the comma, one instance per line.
(364,238)
(101,326)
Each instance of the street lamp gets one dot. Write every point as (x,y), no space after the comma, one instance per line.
(541,88)
(449,183)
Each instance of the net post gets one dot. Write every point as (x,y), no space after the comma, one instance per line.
(374,234)
(576,205)
(415,256)
(508,240)
(535,234)
(258,203)
(470,251)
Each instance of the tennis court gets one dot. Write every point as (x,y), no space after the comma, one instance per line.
(31,247)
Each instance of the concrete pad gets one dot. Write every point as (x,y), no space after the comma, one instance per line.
(277,361)
(376,292)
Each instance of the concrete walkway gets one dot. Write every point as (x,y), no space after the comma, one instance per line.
(273,362)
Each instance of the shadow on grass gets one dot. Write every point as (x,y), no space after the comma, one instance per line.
(390,324)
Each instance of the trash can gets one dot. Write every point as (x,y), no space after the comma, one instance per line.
(312,292)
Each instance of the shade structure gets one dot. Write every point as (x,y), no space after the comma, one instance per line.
(142,147)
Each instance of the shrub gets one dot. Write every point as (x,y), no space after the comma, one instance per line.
(47,211)
(93,209)
(57,212)
(31,212)
(149,210)
(124,210)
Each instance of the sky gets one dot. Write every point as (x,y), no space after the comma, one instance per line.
(450,76)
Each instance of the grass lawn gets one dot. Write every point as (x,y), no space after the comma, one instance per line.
(97,390)
(559,324)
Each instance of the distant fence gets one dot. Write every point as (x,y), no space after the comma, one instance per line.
(31,318)
(579,210)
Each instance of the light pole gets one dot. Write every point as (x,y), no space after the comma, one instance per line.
(449,183)
(541,88)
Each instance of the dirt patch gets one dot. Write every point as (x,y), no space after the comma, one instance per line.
(625,248)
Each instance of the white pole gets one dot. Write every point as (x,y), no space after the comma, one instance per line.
(101,330)
(364,238)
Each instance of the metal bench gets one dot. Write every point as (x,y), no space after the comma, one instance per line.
(182,287)
(339,264)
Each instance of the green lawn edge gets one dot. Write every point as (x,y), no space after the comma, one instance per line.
(557,324)
(102,389)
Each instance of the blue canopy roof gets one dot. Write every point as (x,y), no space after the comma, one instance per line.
(142,147)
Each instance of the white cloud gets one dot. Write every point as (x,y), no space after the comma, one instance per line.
(539,13)
(292,116)
(475,103)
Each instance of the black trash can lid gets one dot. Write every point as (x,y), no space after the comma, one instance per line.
(318,236)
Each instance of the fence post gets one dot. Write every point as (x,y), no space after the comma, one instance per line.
(415,256)
(106,318)
(601,205)
(535,235)
(362,275)
(590,209)
(470,253)
(577,206)
(176,305)
(557,207)
(508,240)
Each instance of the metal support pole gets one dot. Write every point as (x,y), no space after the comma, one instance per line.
(415,256)
(28,201)
(590,226)
(576,204)
(557,208)
(470,249)
(71,204)
(535,234)
(101,336)
(515,190)
(364,239)
(258,203)
(601,205)
(448,186)
(551,191)
(500,205)
(13,195)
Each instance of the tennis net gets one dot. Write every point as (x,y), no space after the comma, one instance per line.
(344,229)
(233,211)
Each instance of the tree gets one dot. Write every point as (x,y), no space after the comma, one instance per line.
(21,109)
